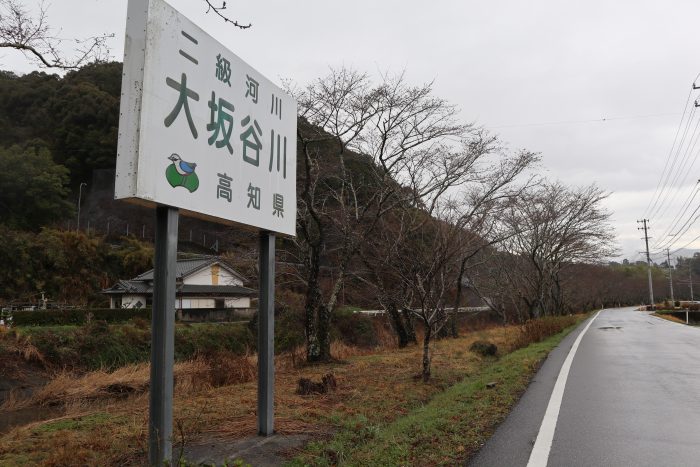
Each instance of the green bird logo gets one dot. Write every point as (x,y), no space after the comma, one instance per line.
(181,173)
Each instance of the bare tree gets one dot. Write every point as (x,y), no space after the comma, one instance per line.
(486,180)
(219,11)
(364,149)
(552,227)
(32,35)
(35,38)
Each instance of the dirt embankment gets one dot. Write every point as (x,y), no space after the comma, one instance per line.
(21,368)
(21,376)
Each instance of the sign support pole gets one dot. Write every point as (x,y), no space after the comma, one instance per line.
(160,425)
(266,335)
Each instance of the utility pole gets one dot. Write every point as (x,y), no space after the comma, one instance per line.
(646,241)
(80,195)
(690,278)
(670,276)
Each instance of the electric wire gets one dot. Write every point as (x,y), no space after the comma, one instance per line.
(680,214)
(674,175)
(668,158)
(685,170)
(666,185)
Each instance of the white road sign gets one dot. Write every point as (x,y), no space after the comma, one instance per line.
(200,129)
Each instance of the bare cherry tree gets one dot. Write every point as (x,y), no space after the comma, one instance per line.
(220,10)
(431,260)
(32,35)
(553,227)
(365,149)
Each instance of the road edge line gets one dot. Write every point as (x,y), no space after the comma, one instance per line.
(543,444)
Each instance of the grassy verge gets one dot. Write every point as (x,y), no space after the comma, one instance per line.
(670,316)
(102,346)
(378,402)
(445,431)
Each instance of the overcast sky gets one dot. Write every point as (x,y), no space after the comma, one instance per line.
(541,74)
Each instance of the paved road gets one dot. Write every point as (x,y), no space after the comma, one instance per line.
(632,398)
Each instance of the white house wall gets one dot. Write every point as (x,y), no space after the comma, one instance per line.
(239,302)
(187,303)
(205,277)
(131,301)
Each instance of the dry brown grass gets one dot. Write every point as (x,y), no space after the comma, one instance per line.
(539,329)
(67,388)
(374,387)
(675,319)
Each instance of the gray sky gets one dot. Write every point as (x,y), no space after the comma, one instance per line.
(517,68)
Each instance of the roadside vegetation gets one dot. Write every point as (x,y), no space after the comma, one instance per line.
(105,412)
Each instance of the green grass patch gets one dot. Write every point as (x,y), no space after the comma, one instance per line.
(85,423)
(446,430)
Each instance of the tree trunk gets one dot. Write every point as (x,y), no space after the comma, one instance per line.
(426,353)
(410,328)
(444,330)
(398,324)
(324,333)
(313,351)
(458,300)
(313,300)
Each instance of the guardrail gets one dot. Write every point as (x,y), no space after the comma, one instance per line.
(468,309)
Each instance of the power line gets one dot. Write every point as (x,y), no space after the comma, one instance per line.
(677,173)
(665,184)
(675,147)
(668,158)
(576,122)
(681,212)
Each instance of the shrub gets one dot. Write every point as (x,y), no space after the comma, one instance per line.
(354,329)
(78,316)
(99,345)
(537,330)
(484,348)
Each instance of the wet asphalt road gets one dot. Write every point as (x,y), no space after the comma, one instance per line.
(632,398)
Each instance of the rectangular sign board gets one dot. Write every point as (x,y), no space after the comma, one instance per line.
(200,129)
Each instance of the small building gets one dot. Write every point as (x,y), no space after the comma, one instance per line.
(202,283)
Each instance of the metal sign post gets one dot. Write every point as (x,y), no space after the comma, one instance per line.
(160,420)
(201,133)
(266,335)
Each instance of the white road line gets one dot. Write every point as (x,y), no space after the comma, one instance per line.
(543,444)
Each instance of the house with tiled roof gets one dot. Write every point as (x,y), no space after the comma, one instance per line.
(201,283)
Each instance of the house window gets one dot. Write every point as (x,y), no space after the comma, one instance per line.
(219,303)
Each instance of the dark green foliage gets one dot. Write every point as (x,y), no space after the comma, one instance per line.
(207,339)
(32,187)
(350,328)
(289,330)
(68,266)
(99,345)
(484,348)
(354,329)
(77,115)
(77,316)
